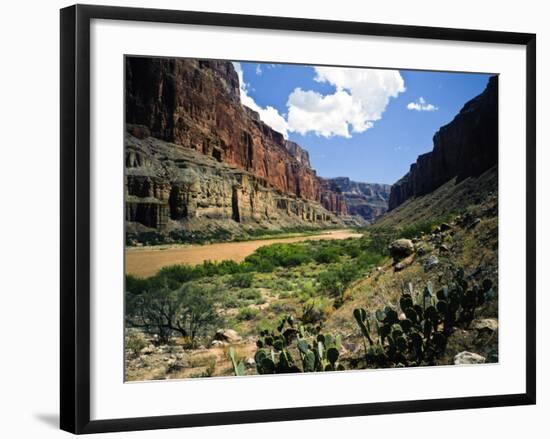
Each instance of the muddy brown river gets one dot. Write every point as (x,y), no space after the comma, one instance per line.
(146,261)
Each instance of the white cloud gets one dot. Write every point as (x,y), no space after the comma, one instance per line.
(360,98)
(269,115)
(258,69)
(421,105)
(327,116)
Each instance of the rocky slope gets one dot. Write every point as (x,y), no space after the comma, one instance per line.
(367,200)
(195,105)
(450,198)
(466,147)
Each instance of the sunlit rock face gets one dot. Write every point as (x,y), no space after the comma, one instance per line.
(367,200)
(193,151)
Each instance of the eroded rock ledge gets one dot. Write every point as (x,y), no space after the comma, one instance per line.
(169,187)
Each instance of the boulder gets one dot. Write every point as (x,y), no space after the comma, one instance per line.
(148,350)
(399,266)
(228,335)
(401,248)
(490,325)
(430,263)
(474,223)
(466,357)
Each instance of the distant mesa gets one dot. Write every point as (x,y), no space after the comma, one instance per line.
(367,200)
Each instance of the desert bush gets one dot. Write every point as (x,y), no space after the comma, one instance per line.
(281,307)
(249,294)
(135,342)
(316,310)
(241,280)
(368,260)
(248,314)
(335,280)
(327,255)
(229,300)
(377,240)
(278,255)
(175,275)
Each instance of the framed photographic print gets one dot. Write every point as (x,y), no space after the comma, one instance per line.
(340,214)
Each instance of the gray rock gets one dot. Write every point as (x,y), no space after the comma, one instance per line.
(401,248)
(490,325)
(474,223)
(466,357)
(350,346)
(148,350)
(430,263)
(228,335)
(399,266)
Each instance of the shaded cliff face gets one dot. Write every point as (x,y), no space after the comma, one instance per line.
(368,200)
(466,147)
(196,104)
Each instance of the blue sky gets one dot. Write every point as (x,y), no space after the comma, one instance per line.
(366,124)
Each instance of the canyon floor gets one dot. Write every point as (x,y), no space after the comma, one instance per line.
(319,280)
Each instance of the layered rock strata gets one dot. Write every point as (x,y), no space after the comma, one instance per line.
(195,104)
(367,200)
(170,187)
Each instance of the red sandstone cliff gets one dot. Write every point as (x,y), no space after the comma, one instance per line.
(196,104)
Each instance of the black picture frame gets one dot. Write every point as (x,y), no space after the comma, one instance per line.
(75,217)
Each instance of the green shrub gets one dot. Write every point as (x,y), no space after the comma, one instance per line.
(241,280)
(327,255)
(368,260)
(316,310)
(278,255)
(335,280)
(135,342)
(247,314)
(249,294)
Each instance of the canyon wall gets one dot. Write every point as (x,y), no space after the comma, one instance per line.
(195,157)
(367,200)
(196,104)
(466,147)
(169,184)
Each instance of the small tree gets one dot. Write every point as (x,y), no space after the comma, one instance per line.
(187,311)
(196,310)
